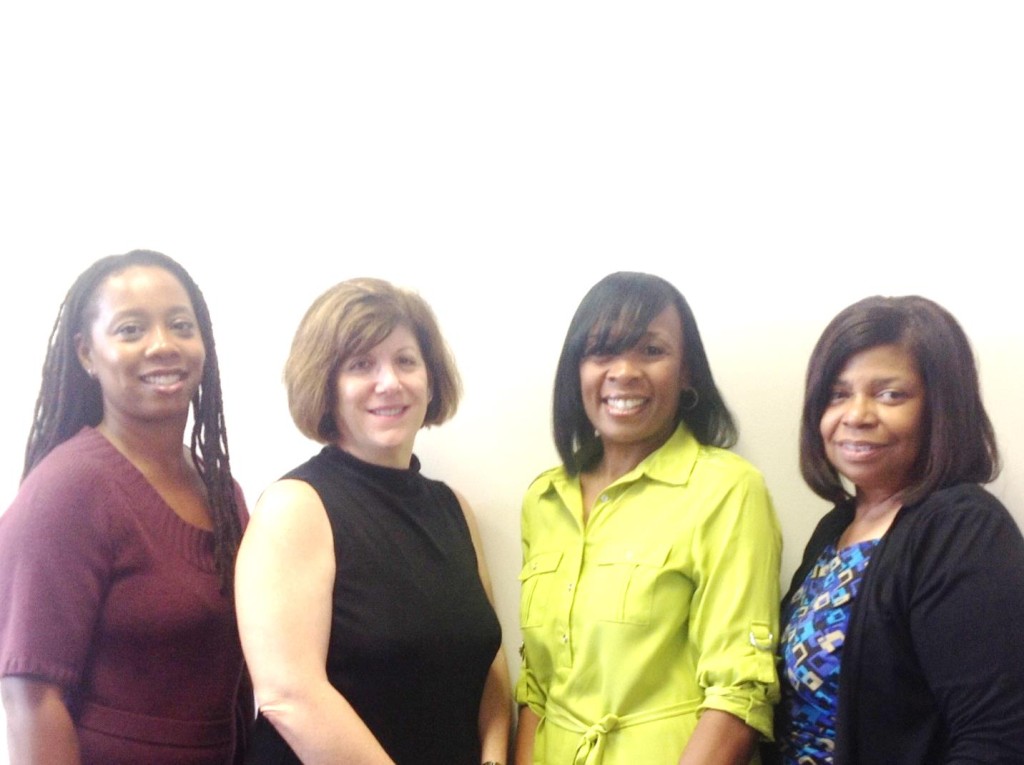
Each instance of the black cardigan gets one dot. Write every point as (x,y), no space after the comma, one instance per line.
(932,670)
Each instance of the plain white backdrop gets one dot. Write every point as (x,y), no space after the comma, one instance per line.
(776,162)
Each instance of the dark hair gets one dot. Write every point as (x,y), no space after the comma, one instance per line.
(348,319)
(70,399)
(958,443)
(612,318)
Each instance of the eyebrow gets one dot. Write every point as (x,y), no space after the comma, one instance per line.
(145,311)
(655,334)
(876,381)
(616,340)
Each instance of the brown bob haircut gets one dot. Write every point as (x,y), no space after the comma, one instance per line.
(351,318)
(958,444)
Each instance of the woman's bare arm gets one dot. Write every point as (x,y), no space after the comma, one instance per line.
(495,719)
(40,730)
(719,739)
(526,732)
(283,587)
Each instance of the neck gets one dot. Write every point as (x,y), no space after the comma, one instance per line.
(400,459)
(614,464)
(872,504)
(873,515)
(156,446)
(619,459)
(612,468)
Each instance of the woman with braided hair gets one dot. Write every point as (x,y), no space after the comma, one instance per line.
(118,641)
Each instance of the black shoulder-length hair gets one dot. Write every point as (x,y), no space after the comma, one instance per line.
(612,318)
(958,444)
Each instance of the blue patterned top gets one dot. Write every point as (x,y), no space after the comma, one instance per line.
(812,641)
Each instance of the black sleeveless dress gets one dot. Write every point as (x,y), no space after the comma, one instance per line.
(412,633)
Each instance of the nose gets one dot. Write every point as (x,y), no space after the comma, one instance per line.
(622,369)
(387,379)
(161,342)
(859,411)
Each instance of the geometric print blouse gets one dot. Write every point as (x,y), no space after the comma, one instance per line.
(815,622)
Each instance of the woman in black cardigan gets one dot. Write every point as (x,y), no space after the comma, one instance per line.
(901,628)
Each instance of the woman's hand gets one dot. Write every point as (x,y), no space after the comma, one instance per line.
(283,591)
(40,730)
(719,739)
(526,733)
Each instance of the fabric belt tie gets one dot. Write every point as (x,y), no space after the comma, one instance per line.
(155,730)
(590,750)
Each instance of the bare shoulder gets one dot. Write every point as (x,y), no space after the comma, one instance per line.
(290,511)
(288,540)
(288,497)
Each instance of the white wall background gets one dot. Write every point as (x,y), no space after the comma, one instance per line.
(776,162)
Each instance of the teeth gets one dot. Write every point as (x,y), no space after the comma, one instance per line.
(391,412)
(167,379)
(859,448)
(625,404)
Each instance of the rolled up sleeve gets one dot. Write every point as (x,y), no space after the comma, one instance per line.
(735,615)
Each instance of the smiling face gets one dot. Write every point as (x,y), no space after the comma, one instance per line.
(382,397)
(144,347)
(873,425)
(632,398)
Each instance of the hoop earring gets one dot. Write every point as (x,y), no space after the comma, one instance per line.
(686,403)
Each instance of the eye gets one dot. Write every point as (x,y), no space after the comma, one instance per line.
(597,355)
(184,327)
(653,351)
(408,362)
(838,395)
(359,364)
(891,396)
(129,331)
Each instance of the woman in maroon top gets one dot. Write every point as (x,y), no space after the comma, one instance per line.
(117,635)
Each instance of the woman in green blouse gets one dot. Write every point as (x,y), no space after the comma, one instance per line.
(651,554)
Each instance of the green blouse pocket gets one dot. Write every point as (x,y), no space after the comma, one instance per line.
(626,580)
(537,578)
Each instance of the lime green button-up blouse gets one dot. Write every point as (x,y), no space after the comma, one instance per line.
(663,605)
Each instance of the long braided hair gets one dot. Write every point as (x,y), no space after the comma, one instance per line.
(70,399)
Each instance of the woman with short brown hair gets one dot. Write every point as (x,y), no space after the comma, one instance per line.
(363,599)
